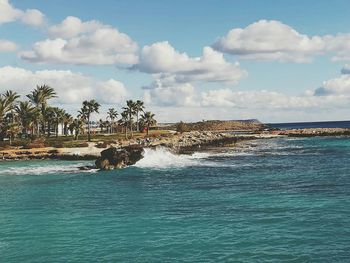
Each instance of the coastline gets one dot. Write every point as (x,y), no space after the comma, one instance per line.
(183,143)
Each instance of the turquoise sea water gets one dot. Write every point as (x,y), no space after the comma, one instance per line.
(278,200)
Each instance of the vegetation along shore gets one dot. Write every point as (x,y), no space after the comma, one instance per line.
(33,129)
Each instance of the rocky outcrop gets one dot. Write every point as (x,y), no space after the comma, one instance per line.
(114,158)
(217,125)
(313,132)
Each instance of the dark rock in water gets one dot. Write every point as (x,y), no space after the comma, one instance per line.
(114,158)
(87,167)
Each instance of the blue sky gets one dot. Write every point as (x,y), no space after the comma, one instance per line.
(273,88)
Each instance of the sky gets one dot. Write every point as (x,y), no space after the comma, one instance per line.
(277,61)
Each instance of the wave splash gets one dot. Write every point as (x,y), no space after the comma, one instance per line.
(38,169)
(164,158)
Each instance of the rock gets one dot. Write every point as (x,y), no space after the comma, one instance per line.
(87,167)
(114,158)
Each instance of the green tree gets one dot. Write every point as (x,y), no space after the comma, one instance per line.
(139,107)
(76,127)
(130,111)
(124,122)
(27,113)
(148,120)
(112,114)
(67,120)
(88,108)
(4,109)
(39,97)
(11,98)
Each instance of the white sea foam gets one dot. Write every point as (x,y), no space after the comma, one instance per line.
(163,158)
(38,169)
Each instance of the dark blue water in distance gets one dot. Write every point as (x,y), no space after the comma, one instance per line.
(304,125)
(276,200)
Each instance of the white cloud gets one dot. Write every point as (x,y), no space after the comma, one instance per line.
(174,73)
(72,26)
(270,40)
(330,101)
(7,46)
(337,87)
(72,88)
(8,13)
(274,106)
(88,43)
(164,62)
(345,69)
(33,17)
(339,45)
(270,100)
(182,94)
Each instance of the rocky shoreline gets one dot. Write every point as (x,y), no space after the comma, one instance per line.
(181,143)
(312,132)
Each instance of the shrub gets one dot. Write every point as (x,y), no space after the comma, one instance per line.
(81,144)
(182,127)
(38,143)
(102,145)
(54,144)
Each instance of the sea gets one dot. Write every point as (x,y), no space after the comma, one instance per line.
(270,200)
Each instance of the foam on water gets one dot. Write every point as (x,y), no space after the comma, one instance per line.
(39,169)
(163,158)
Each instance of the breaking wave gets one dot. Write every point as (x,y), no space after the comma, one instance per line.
(164,158)
(42,169)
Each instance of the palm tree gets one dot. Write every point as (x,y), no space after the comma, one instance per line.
(50,116)
(27,114)
(35,98)
(5,107)
(77,126)
(39,97)
(112,114)
(147,119)
(58,118)
(103,125)
(124,122)
(130,110)
(88,108)
(11,98)
(67,120)
(139,107)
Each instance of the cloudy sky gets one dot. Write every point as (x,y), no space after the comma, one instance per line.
(278,61)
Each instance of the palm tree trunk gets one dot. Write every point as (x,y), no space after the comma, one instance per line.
(31,131)
(57,130)
(89,136)
(38,129)
(137,122)
(48,130)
